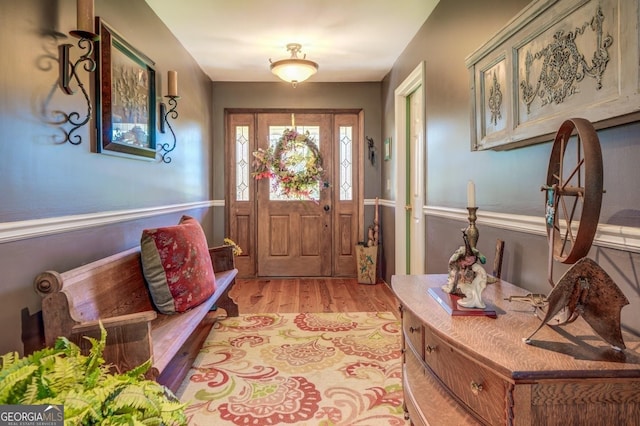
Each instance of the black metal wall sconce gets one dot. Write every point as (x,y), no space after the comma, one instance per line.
(372,150)
(69,70)
(172,99)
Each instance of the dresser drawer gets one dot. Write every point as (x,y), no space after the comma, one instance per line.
(413,331)
(436,406)
(479,388)
(411,405)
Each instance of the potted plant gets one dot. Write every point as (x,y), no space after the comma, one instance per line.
(237,251)
(90,393)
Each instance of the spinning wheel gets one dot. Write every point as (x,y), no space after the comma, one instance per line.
(573,200)
(573,192)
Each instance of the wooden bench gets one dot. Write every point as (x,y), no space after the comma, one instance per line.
(113,291)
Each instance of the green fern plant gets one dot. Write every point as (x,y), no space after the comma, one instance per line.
(83,384)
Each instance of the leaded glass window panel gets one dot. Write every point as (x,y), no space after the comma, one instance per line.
(242,163)
(346,163)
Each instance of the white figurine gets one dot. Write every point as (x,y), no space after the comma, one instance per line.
(473,290)
(467,277)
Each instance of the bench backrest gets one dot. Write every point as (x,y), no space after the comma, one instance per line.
(105,288)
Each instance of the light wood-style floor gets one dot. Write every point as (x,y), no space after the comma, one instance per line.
(281,295)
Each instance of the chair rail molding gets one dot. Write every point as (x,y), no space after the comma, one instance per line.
(626,238)
(24,229)
(617,237)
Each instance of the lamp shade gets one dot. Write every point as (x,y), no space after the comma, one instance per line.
(294,70)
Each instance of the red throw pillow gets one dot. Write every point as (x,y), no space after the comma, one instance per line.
(177,266)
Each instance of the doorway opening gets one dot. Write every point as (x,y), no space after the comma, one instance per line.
(410,132)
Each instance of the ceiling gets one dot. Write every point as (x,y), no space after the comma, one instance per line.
(351,40)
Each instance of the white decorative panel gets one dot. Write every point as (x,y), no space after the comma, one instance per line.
(557,59)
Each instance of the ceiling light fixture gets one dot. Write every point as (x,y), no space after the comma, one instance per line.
(294,70)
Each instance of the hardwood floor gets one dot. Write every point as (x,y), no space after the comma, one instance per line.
(280,295)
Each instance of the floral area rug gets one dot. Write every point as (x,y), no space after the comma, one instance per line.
(324,369)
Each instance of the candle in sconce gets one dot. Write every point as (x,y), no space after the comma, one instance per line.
(471,194)
(172,77)
(86,15)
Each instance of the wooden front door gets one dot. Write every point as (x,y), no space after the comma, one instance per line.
(286,237)
(294,236)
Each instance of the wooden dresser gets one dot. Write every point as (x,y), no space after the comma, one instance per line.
(477,370)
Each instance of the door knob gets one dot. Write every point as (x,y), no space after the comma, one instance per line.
(327,207)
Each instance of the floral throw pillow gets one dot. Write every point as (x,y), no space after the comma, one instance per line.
(177,266)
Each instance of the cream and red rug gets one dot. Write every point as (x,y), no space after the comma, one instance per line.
(324,369)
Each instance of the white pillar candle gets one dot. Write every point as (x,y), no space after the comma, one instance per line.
(471,194)
(85,15)
(172,77)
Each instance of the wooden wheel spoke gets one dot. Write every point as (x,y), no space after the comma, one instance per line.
(568,234)
(573,173)
(571,218)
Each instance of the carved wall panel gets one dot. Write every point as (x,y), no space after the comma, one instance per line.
(494,105)
(555,60)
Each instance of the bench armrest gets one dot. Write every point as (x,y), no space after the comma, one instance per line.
(112,322)
(222,258)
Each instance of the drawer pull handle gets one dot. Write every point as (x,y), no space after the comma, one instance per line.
(413,329)
(430,348)
(476,388)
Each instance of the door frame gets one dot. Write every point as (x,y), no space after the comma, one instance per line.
(401,94)
(247,262)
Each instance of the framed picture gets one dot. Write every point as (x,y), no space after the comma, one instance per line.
(387,149)
(125,97)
